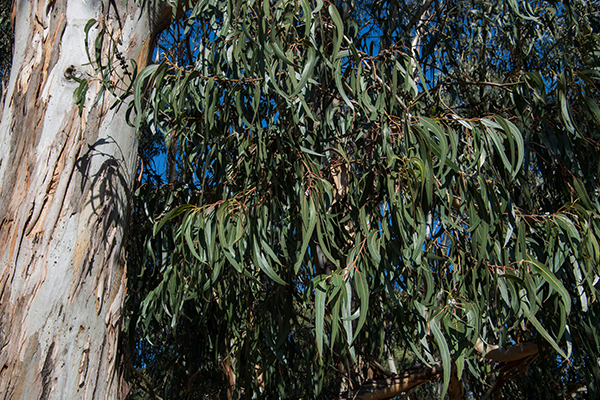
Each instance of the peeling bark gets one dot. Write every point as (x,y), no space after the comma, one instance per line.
(64,198)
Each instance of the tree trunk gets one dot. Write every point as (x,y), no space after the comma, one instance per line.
(65,182)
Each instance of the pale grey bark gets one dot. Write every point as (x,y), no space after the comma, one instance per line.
(64,198)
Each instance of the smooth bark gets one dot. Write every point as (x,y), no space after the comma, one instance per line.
(64,196)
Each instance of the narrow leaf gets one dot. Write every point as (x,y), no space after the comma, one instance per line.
(553,281)
(362,290)
(444,353)
(320,296)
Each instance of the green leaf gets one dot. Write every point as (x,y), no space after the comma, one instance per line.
(339,30)
(362,290)
(320,296)
(309,221)
(269,251)
(280,53)
(80,93)
(340,86)
(539,327)
(140,81)
(444,353)
(372,243)
(335,319)
(171,215)
(582,193)
(312,153)
(554,282)
(497,141)
(307,71)
(323,246)
(513,131)
(264,265)
(307,17)
(441,136)
(567,225)
(187,228)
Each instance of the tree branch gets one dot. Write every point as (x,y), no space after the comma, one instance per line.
(386,388)
(513,353)
(147,387)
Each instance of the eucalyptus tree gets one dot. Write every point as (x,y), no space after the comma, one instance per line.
(356,191)
(65,179)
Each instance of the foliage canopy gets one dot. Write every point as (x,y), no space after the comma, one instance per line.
(350,182)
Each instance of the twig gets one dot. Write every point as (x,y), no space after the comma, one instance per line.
(148,389)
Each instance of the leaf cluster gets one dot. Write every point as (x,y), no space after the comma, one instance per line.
(340,185)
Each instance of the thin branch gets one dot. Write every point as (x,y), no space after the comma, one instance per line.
(148,388)
(505,86)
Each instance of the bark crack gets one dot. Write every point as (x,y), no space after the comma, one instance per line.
(46,372)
